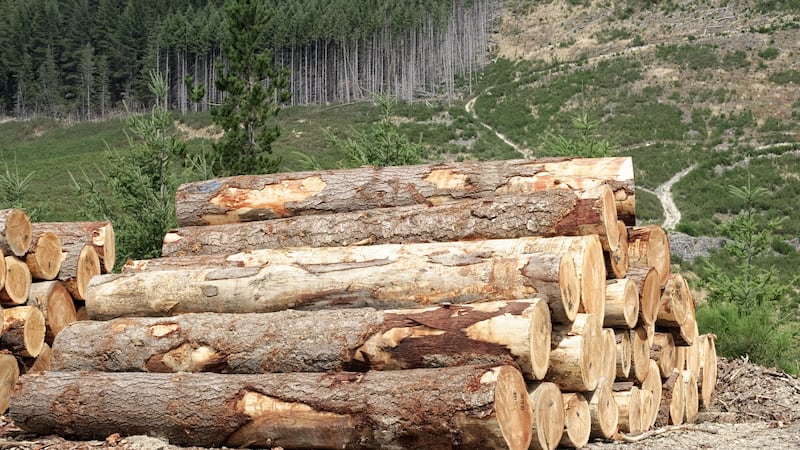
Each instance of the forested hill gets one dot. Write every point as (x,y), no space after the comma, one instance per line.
(81,58)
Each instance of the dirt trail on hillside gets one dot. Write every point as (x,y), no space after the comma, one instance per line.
(470,108)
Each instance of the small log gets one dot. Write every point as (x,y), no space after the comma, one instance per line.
(663,353)
(673,402)
(602,410)
(321,341)
(382,276)
(652,383)
(622,339)
(44,257)
(74,235)
(263,197)
(15,232)
(40,363)
(693,358)
(649,408)
(674,303)
(708,369)
(691,396)
(577,421)
(608,340)
(9,374)
(646,281)
(622,304)
(576,357)
(617,260)
(547,406)
(629,406)
(553,212)
(640,354)
(57,306)
(18,282)
(23,330)
(471,406)
(686,334)
(80,265)
(648,246)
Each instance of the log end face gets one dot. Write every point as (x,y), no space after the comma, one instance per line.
(512,406)
(88,268)
(549,415)
(18,232)
(541,330)
(109,246)
(569,286)
(9,374)
(577,421)
(593,278)
(45,262)
(18,282)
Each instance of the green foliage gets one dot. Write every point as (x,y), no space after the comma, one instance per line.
(254,88)
(785,77)
(611,34)
(693,57)
(380,145)
(769,53)
(14,188)
(736,59)
(585,141)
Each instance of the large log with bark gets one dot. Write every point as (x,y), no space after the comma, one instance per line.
(459,407)
(262,197)
(44,257)
(553,212)
(383,276)
(516,332)
(15,232)
(74,235)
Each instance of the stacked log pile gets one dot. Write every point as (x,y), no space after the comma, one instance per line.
(504,304)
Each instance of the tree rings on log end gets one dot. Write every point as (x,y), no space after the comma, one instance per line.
(18,231)
(548,415)
(512,407)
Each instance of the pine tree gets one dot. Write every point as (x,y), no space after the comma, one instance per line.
(253,90)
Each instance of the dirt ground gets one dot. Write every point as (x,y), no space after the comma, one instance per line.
(753,408)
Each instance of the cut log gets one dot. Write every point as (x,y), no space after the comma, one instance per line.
(382,276)
(40,363)
(23,330)
(553,212)
(80,265)
(691,396)
(686,334)
(622,338)
(629,406)
(663,353)
(649,408)
(622,304)
(44,257)
(321,341)
(15,232)
(608,340)
(18,282)
(9,374)
(471,406)
(603,410)
(693,358)
(648,246)
(652,383)
(708,369)
(675,302)
(262,197)
(640,354)
(547,406)
(577,421)
(617,260)
(646,281)
(57,306)
(673,401)
(74,235)
(576,358)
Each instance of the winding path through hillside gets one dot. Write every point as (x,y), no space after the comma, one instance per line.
(470,108)
(672,215)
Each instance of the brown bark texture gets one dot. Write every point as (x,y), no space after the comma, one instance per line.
(459,407)
(15,232)
(262,197)
(516,332)
(74,235)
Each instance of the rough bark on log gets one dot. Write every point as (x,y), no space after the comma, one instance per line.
(672,407)
(57,306)
(690,395)
(603,410)
(640,354)
(622,304)
(622,338)
(383,276)
(23,330)
(74,235)
(44,257)
(9,374)
(553,212)
(648,246)
(320,341)
(617,261)
(663,353)
(674,303)
(577,421)
(577,355)
(18,282)
(708,369)
(629,406)
(646,281)
(458,407)
(262,197)
(79,266)
(15,232)
(652,383)
(547,406)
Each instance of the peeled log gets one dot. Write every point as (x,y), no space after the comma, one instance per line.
(44,257)
(577,421)
(15,231)
(18,282)
(9,374)
(673,401)
(547,406)
(622,304)
(74,235)
(708,368)
(648,246)
(382,276)
(603,410)
(629,406)
(576,357)
(469,406)
(320,341)
(261,197)
(23,330)
(55,303)
(552,212)
(675,302)
(663,353)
